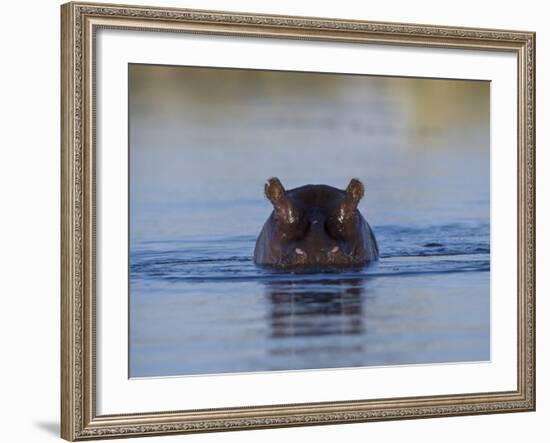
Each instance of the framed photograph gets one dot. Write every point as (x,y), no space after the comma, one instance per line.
(283,221)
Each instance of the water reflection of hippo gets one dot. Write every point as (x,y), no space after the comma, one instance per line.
(316,308)
(315,225)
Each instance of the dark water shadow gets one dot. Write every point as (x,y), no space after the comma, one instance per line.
(325,310)
(49,427)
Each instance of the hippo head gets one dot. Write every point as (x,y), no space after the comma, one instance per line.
(315,226)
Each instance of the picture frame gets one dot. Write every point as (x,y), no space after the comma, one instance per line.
(80,178)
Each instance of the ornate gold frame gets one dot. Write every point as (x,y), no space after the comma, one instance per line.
(79,23)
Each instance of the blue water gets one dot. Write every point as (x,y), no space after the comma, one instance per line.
(201,306)
(406,251)
(202,144)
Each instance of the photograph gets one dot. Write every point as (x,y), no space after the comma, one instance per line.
(279,218)
(290,220)
(275,221)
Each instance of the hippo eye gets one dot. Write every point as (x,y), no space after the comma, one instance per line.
(333,227)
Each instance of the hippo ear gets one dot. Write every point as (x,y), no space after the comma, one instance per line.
(285,210)
(274,190)
(347,207)
(341,222)
(355,191)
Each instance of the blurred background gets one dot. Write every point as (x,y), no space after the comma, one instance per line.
(201,138)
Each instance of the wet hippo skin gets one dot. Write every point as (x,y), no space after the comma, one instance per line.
(315,226)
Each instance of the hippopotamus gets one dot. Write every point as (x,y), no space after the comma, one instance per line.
(315,226)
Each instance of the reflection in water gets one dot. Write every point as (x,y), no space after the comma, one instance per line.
(319,308)
(325,307)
